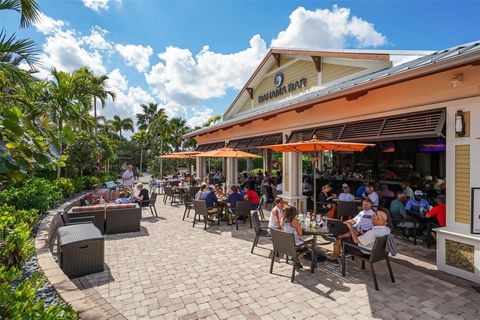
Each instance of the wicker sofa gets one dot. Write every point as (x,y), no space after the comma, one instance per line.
(110,218)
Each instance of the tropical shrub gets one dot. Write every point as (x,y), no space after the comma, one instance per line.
(66,186)
(20,301)
(78,184)
(89,181)
(33,193)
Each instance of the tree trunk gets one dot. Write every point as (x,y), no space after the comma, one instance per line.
(95,112)
(161,153)
(60,126)
(141,159)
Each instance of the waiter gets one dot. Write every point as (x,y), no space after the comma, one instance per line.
(127,177)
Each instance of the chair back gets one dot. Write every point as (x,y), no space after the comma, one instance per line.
(153,198)
(283,242)
(347,209)
(174,183)
(168,191)
(242,208)
(256,223)
(192,191)
(186,199)
(57,221)
(200,207)
(378,251)
(386,201)
(263,200)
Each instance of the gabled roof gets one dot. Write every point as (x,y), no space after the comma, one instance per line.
(436,62)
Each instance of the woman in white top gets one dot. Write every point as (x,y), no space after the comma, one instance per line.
(276,215)
(346,195)
(290,224)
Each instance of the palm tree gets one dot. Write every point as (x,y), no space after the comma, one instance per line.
(141,138)
(178,128)
(118,124)
(97,89)
(28,9)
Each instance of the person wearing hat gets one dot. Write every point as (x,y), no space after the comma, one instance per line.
(417,206)
(346,195)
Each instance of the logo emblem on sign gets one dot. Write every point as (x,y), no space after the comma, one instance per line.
(278,80)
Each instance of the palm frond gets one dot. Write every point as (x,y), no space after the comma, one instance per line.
(28,9)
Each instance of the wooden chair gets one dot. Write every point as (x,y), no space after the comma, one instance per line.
(242,209)
(284,243)
(378,253)
(259,230)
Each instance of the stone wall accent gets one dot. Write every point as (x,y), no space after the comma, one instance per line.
(65,288)
(460,255)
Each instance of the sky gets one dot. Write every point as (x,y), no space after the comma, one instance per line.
(192,57)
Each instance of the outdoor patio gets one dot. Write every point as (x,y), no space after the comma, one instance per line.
(170,270)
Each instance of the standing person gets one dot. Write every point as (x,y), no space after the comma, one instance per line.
(127,177)
(252,196)
(276,215)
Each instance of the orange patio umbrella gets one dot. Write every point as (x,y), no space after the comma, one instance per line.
(314,145)
(226,152)
(181,155)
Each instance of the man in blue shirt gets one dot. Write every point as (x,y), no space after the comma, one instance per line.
(232,201)
(212,203)
(417,206)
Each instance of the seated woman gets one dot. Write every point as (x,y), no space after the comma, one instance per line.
(219,192)
(325,199)
(290,224)
(96,197)
(123,198)
(276,215)
(142,198)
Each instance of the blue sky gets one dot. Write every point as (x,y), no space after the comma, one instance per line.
(157,50)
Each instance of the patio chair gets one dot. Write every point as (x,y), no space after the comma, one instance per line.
(200,207)
(187,201)
(259,208)
(406,226)
(192,191)
(260,231)
(347,209)
(242,209)
(173,196)
(284,243)
(386,201)
(378,253)
(151,203)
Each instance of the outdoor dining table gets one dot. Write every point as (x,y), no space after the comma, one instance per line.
(315,232)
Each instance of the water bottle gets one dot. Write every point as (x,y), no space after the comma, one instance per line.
(307,221)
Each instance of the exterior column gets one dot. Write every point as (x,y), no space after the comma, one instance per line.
(267,161)
(249,164)
(292,180)
(201,167)
(231,177)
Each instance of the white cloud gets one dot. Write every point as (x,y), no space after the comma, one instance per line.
(324,28)
(47,25)
(117,80)
(199,117)
(186,80)
(135,55)
(98,5)
(96,39)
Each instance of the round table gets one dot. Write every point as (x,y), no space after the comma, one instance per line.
(315,232)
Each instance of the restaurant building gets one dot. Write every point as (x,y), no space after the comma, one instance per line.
(421,109)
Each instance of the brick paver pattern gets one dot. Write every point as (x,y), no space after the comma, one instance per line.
(170,270)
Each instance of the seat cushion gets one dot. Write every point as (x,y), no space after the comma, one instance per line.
(97,207)
(120,206)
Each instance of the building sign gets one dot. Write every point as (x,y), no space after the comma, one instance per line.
(282,89)
(475,220)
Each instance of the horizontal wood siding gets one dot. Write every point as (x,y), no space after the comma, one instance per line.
(291,73)
(246,106)
(462,184)
(331,72)
(283,60)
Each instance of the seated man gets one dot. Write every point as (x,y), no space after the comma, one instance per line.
(440,213)
(360,224)
(211,201)
(345,195)
(379,229)
(397,208)
(417,206)
(232,199)
(252,196)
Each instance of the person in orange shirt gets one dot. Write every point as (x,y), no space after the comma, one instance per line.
(440,213)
